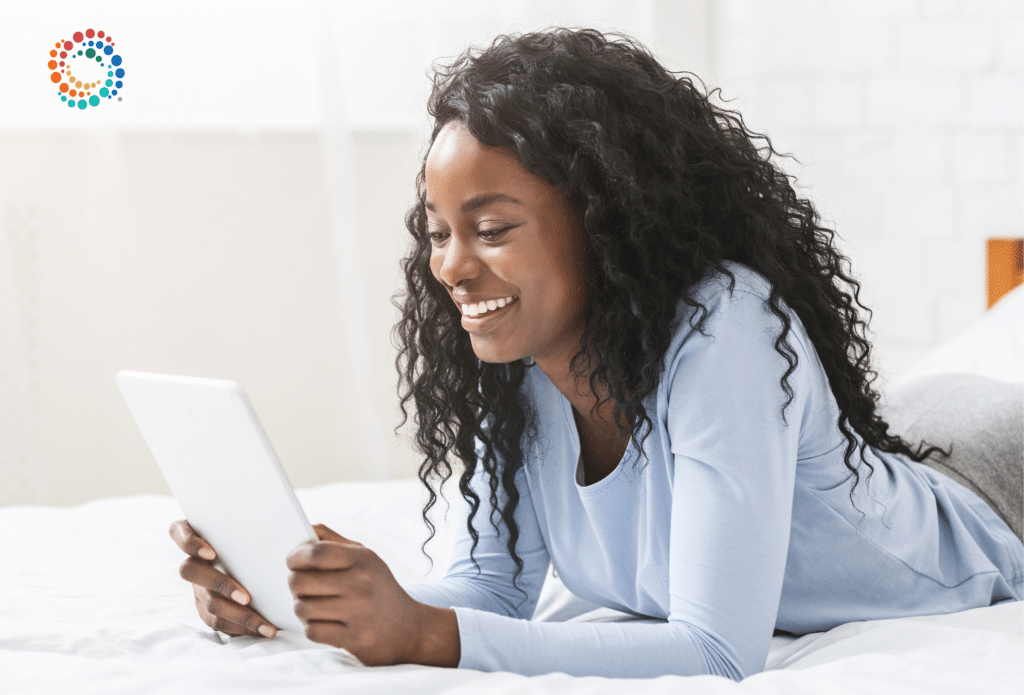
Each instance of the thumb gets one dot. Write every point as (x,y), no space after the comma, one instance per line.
(326,534)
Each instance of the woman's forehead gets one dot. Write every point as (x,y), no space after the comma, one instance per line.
(456,147)
(458,162)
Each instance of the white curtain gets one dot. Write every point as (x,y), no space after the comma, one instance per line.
(238,214)
(19,353)
(348,243)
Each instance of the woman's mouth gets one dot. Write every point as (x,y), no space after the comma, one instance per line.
(485,309)
(484,315)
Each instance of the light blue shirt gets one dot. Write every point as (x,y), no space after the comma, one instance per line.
(732,524)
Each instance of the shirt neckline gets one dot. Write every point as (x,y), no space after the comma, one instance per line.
(574,437)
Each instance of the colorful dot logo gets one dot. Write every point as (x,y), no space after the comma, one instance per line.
(89,54)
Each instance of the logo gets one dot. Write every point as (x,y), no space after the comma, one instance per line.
(77,68)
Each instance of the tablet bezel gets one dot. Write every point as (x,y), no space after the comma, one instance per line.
(219,463)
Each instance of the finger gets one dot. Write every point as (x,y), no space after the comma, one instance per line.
(325,608)
(189,541)
(230,628)
(332,633)
(327,534)
(205,575)
(315,583)
(220,624)
(324,555)
(251,621)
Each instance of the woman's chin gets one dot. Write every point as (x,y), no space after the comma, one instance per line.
(495,354)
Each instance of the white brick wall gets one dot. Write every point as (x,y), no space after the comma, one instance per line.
(907,117)
(926,46)
(981,157)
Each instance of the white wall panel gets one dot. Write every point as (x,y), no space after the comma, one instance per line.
(198,225)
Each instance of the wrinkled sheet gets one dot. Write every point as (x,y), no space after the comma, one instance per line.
(91,602)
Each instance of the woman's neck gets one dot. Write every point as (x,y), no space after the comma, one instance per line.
(577,391)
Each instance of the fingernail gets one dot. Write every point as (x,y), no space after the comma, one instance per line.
(266,631)
(239,597)
(207,553)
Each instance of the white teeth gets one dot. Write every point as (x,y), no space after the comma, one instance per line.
(486,306)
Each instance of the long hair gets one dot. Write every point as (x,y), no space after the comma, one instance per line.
(668,186)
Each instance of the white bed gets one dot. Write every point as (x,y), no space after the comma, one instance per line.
(91,602)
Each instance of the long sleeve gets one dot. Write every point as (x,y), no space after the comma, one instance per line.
(733,464)
(728,522)
(735,467)
(491,589)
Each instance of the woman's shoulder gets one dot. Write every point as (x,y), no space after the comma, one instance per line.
(719,289)
(733,315)
(718,283)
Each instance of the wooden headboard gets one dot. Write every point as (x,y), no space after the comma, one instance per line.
(1005,267)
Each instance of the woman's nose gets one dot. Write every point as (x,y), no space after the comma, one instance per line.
(459,262)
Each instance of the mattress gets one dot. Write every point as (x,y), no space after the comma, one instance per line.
(91,602)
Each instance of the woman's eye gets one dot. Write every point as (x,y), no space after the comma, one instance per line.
(491,233)
(438,237)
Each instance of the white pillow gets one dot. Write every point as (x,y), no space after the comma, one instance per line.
(993,347)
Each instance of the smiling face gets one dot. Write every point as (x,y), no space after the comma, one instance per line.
(501,235)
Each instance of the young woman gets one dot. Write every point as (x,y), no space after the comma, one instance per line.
(626,332)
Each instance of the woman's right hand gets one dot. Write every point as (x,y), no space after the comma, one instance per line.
(220,600)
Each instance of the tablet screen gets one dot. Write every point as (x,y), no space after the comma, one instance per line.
(218,462)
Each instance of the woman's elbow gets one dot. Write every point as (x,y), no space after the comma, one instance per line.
(718,657)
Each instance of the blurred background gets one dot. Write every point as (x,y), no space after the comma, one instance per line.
(239,213)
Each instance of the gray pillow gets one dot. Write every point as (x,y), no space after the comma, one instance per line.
(984,421)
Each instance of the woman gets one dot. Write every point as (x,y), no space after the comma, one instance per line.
(626,327)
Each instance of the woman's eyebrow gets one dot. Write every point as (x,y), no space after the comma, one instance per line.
(481,200)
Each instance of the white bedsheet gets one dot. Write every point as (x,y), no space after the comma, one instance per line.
(90,602)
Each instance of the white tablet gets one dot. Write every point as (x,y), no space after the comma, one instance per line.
(221,468)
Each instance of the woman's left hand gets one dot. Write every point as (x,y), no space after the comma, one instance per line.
(347,597)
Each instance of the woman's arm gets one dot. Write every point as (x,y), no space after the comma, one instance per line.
(347,597)
(733,477)
(491,589)
(734,469)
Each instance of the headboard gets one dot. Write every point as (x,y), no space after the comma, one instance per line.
(1005,267)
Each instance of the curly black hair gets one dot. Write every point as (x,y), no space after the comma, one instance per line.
(668,185)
